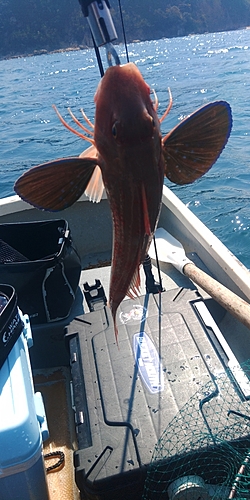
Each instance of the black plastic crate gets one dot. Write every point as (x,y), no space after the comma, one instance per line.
(122,404)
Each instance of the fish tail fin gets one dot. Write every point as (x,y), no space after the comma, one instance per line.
(113,312)
(116,332)
(134,288)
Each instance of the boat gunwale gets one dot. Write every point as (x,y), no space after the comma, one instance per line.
(203,238)
(6,204)
(195,237)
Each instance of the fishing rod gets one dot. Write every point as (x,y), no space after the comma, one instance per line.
(102,29)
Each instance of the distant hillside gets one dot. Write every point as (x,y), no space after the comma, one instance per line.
(34,26)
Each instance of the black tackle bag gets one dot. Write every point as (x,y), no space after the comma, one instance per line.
(41,262)
(11,325)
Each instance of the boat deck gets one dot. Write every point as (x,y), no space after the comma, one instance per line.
(235,333)
(54,384)
(53,377)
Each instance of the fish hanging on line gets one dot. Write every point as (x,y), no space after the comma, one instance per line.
(129,157)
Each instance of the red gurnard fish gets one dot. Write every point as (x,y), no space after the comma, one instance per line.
(129,158)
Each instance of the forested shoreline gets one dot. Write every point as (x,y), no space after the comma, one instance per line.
(30,27)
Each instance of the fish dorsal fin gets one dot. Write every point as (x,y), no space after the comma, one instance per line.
(194,145)
(56,185)
(95,187)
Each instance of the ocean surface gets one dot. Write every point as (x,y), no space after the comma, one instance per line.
(198,69)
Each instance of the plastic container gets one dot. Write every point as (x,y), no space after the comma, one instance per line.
(40,261)
(125,396)
(22,426)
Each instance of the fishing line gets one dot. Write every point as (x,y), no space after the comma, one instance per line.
(159,328)
(98,56)
(123,30)
(160,364)
(157,264)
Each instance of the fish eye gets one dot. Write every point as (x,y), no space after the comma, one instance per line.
(114,131)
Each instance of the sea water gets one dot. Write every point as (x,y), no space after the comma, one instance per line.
(198,69)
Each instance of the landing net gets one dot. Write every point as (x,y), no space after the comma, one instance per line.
(204,453)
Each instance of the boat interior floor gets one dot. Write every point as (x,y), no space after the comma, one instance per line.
(52,374)
(54,384)
(234,332)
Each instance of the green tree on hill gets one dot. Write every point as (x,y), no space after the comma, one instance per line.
(37,25)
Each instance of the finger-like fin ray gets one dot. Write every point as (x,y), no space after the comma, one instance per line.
(71,128)
(156,101)
(87,119)
(79,123)
(169,106)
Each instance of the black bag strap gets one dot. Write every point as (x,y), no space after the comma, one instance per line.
(11,324)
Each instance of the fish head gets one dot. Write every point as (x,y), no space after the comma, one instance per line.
(125,114)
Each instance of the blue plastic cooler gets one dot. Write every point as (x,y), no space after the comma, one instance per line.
(22,425)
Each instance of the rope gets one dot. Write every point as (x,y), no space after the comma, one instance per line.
(57,464)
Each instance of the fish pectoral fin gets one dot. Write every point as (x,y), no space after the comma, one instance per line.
(194,145)
(95,187)
(56,185)
(90,152)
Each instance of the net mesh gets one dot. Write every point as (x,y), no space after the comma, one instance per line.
(9,254)
(204,453)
